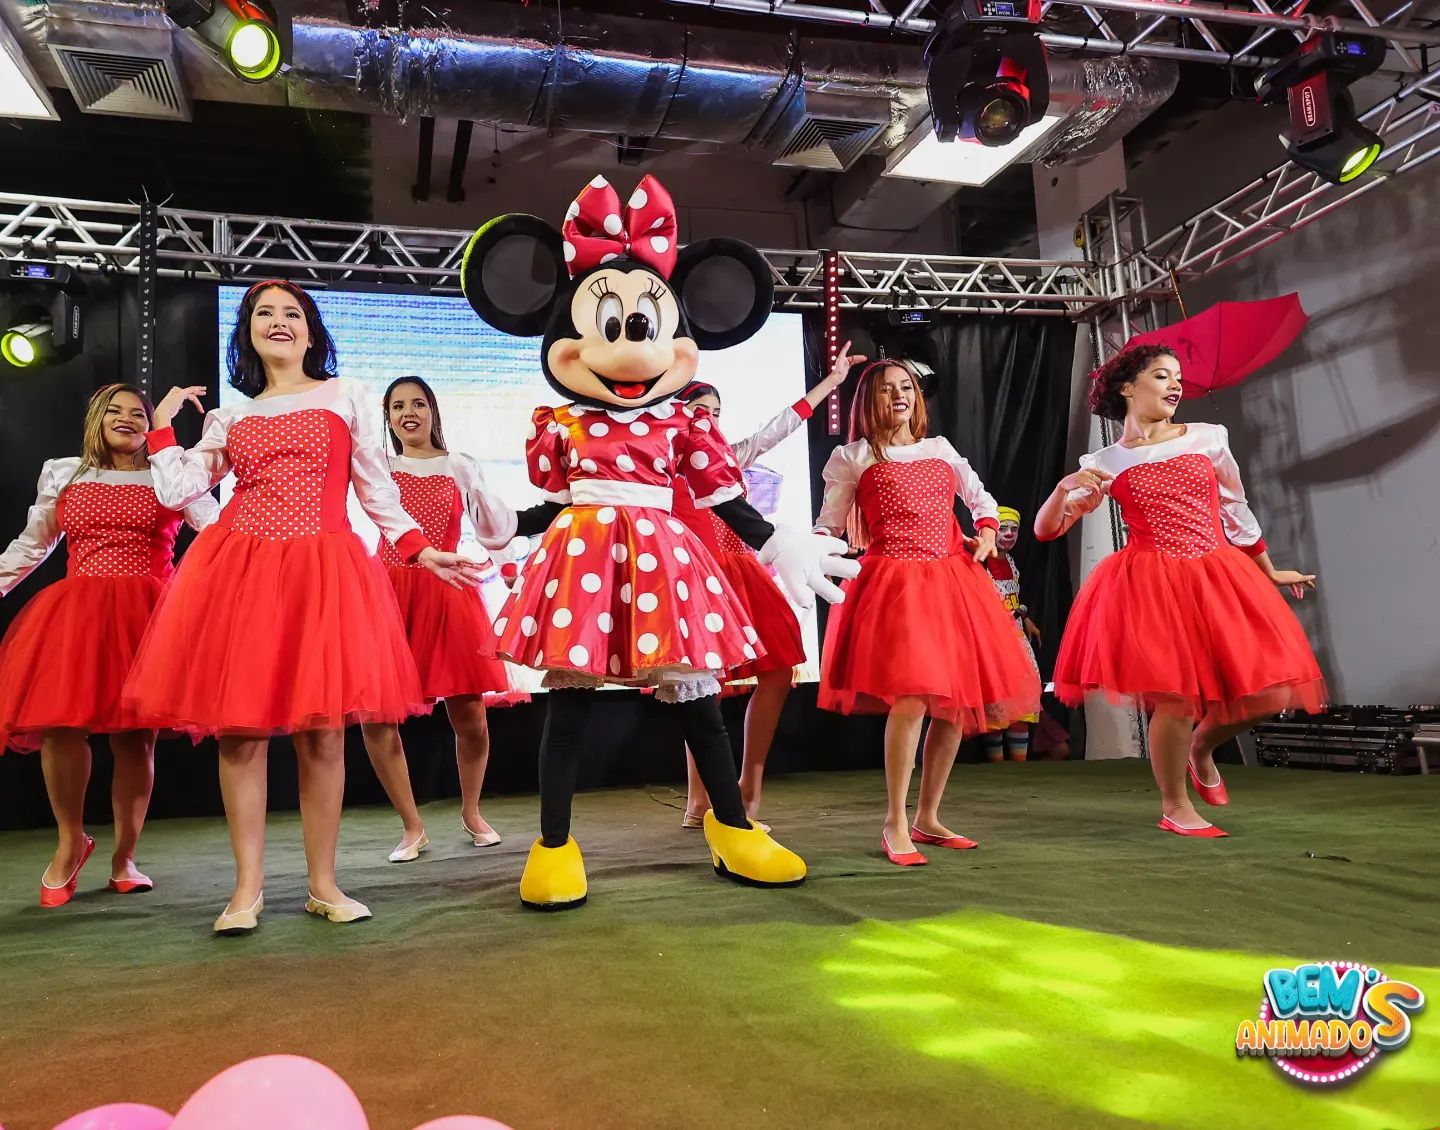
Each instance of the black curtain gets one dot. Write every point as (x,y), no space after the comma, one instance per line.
(1001,394)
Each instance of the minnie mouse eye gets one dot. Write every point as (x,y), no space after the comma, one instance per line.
(609,316)
(648,306)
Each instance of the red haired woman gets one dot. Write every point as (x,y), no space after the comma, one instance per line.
(279,621)
(64,661)
(922,630)
(1187,620)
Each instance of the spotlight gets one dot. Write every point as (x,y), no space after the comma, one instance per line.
(986,71)
(40,312)
(243,32)
(1325,135)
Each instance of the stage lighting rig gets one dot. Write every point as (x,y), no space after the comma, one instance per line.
(1325,136)
(986,72)
(244,33)
(41,315)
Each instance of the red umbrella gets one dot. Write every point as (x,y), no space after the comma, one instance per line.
(1223,345)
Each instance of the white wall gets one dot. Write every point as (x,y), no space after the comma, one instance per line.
(1339,440)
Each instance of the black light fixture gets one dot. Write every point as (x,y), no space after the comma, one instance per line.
(41,315)
(986,72)
(244,33)
(1325,135)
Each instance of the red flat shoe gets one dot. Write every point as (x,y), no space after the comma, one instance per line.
(1211,794)
(959,843)
(132,886)
(901,858)
(59,896)
(1209,832)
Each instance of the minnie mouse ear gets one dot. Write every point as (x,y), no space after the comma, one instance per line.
(512,272)
(727,291)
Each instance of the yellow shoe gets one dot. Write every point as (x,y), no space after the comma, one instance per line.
(554,878)
(750,856)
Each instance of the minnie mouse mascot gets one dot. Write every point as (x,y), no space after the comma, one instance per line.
(620,591)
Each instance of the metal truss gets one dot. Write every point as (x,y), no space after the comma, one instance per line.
(1282,201)
(1170,29)
(223,248)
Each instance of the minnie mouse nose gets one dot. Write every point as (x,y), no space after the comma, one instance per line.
(638,327)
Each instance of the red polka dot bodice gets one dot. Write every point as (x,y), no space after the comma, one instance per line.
(1171,505)
(706,524)
(292,472)
(909,508)
(117,530)
(568,446)
(434,502)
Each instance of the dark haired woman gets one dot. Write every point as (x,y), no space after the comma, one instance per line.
(1187,620)
(450,632)
(279,621)
(770,612)
(64,660)
(922,630)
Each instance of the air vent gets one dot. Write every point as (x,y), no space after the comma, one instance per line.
(829,131)
(122,82)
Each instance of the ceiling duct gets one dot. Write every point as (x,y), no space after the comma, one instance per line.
(118,59)
(808,102)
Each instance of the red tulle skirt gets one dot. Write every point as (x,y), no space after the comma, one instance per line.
(452,639)
(256,637)
(932,629)
(771,616)
(64,660)
(1202,636)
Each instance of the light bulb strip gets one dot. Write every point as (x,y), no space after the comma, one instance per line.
(831,298)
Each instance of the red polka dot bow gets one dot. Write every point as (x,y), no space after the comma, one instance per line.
(597,229)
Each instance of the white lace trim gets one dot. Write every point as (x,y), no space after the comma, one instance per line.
(662,411)
(670,686)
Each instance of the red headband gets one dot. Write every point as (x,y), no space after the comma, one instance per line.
(597,229)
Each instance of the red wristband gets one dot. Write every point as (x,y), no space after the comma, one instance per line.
(803,409)
(1252,550)
(158,439)
(411,544)
(987,524)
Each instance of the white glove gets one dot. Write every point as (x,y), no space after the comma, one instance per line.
(803,560)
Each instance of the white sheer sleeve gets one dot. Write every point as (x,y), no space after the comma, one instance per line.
(842,476)
(752,447)
(182,476)
(979,501)
(1083,500)
(202,512)
(493,520)
(42,526)
(1236,518)
(375,490)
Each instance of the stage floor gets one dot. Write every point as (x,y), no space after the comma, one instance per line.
(1081,969)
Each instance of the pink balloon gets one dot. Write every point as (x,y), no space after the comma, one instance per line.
(274,1092)
(119,1116)
(463,1122)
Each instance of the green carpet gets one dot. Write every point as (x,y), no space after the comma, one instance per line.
(1081,969)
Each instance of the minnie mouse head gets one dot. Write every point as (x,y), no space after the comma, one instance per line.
(624,314)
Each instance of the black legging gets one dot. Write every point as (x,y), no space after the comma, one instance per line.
(566,714)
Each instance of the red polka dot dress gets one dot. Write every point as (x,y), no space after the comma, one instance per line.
(278,619)
(619,589)
(449,629)
(774,620)
(1181,619)
(64,660)
(922,619)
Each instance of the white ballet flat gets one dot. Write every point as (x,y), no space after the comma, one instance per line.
(407,853)
(480,839)
(347,911)
(240,921)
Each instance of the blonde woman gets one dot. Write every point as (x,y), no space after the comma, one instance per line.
(65,658)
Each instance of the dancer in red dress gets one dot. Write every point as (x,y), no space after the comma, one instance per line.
(619,590)
(64,660)
(1187,620)
(769,610)
(449,629)
(279,621)
(922,631)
